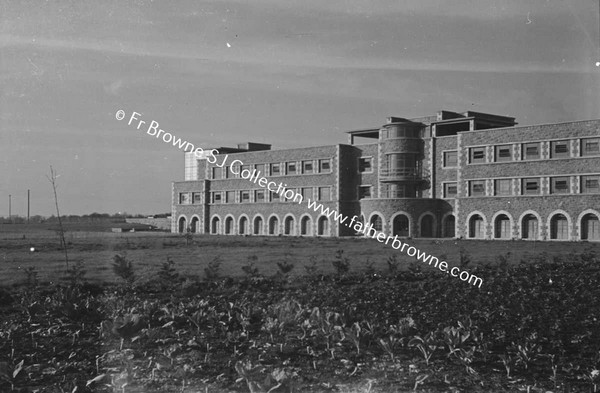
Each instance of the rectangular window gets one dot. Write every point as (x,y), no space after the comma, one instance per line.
(216,172)
(502,187)
(590,184)
(292,195)
(275,169)
(590,147)
(226,173)
(364,164)
(559,185)
(531,151)
(184,198)
(307,167)
(216,197)
(477,155)
(400,191)
(324,193)
(364,192)
(450,190)
(260,168)
(325,165)
(274,197)
(291,168)
(559,149)
(197,198)
(230,197)
(476,188)
(307,192)
(259,195)
(503,153)
(245,168)
(530,186)
(235,171)
(245,196)
(450,159)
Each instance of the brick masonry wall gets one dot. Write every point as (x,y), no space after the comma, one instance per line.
(366,178)
(280,156)
(516,208)
(187,211)
(516,136)
(442,174)
(550,167)
(428,165)
(573,205)
(520,134)
(206,210)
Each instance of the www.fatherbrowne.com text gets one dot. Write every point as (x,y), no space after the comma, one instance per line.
(256,177)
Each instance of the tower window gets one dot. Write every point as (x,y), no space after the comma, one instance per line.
(364,164)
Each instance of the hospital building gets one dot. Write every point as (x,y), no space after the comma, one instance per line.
(464,175)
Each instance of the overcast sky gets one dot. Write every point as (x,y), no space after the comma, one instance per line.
(289,73)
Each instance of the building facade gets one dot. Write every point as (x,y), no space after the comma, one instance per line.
(466,175)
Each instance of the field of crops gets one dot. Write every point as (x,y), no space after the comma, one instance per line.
(149,250)
(297,315)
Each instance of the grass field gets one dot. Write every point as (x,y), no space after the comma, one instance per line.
(148,250)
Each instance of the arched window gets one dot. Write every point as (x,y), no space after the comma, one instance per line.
(559,227)
(323,226)
(229,226)
(590,227)
(502,227)
(449,226)
(194,225)
(182,225)
(215,225)
(258,225)
(401,225)
(376,222)
(530,227)
(273,226)
(305,227)
(243,225)
(476,227)
(427,228)
(289,226)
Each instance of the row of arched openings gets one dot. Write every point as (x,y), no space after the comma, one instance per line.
(427,226)
(558,225)
(257,226)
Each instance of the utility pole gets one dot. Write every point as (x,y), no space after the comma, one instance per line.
(9,208)
(28,206)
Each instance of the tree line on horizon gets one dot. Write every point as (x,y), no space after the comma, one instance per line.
(38,219)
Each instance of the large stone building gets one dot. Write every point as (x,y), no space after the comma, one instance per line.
(469,175)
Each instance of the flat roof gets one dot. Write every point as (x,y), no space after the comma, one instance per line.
(365,133)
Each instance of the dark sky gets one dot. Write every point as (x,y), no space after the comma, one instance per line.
(289,73)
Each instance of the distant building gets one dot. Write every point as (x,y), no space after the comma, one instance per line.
(470,175)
